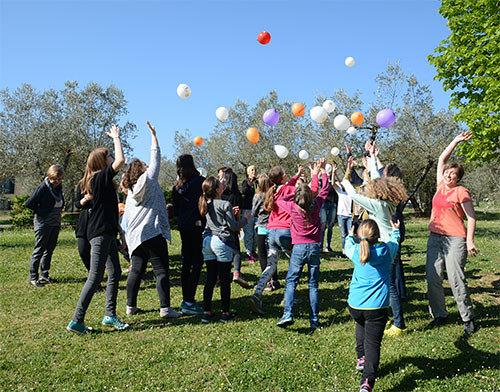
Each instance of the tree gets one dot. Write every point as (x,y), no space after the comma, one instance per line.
(41,129)
(468,63)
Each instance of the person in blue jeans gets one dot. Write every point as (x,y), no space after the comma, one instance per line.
(305,229)
(327,215)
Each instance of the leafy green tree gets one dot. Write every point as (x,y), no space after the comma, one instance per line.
(468,64)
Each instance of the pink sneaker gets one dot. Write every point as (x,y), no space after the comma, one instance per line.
(250,259)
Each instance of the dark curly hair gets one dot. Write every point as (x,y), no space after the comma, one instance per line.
(132,173)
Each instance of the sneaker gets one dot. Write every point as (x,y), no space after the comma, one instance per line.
(329,250)
(285,321)
(395,331)
(250,259)
(169,313)
(360,366)
(437,322)
(256,304)
(194,308)
(470,327)
(78,328)
(36,283)
(46,279)
(365,387)
(269,286)
(133,310)
(206,318)
(314,323)
(238,279)
(255,256)
(114,322)
(275,284)
(226,317)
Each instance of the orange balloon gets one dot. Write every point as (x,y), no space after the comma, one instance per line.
(298,109)
(357,118)
(198,141)
(253,135)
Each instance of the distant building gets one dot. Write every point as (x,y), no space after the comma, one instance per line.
(10,188)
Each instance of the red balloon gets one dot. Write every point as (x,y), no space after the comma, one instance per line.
(264,37)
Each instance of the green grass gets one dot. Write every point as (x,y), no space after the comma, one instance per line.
(251,354)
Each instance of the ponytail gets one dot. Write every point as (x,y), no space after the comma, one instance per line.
(369,234)
(269,200)
(209,188)
(276,175)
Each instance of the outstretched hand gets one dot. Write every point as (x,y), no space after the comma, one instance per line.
(151,128)
(395,225)
(300,171)
(114,131)
(348,149)
(350,162)
(464,136)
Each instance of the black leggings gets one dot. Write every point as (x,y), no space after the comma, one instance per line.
(262,248)
(192,261)
(84,251)
(223,270)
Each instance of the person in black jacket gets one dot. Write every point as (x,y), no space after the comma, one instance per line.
(185,194)
(248,187)
(47,202)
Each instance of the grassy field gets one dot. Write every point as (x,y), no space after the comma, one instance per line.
(250,354)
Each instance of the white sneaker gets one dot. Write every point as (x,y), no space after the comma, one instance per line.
(169,313)
(133,310)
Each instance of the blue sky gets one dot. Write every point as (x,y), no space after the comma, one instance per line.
(146,48)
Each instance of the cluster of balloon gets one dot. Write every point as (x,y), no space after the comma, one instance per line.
(319,114)
(222,113)
(329,106)
(341,122)
(198,141)
(357,118)
(351,130)
(183,90)
(303,154)
(252,135)
(349,62)
(264,37)
(202,172)
(385,118)
(281,151)
(298,109)
(328,168)
(271,117)
(335,151)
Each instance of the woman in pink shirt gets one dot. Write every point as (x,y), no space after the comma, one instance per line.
(449,241)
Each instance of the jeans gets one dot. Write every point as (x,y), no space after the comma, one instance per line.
(223,270)
(303,254)
(215,249)
(156,251)
(395,298)
(104,254)
(263,248)
(192,262)
(278,239)
(250,235)
(45,243)
(370,325)
(344,226)
(327,216)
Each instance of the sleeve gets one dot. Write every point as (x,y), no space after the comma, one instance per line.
(393,243)
(245,188)
(139,188)
(315,184)
(229,217)
(371,205)
(33,201)
(374,173)
(285,205)
(325,188)
(78,197)
(109,173)
(255,205)
(292,181)
(153,170)
(349,246)
(463,195)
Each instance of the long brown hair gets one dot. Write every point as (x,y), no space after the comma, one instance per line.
(95,163)
(368,233)
(209,188)
(185,170)
(303,197)
(134,170)
(263,183)
(276,175)
(387,188)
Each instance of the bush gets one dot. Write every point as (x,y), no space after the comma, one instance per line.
(20,215)
(70,218)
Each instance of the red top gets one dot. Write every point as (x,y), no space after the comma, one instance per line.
(447,212)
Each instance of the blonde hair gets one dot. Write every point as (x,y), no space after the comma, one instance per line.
(209,188)
(276,175)
(387,188)
(95,163)
(55,172)
(368,233)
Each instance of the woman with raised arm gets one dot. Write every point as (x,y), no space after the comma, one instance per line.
(450,241)
(102,229)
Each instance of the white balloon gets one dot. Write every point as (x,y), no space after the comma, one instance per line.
(351,130)
(202,171)
(303,154)
(281,151)
(335,151)
(341,122)
(183,90)
(349,61)
(318,114)
(329,106)
(222,113)
(328,168)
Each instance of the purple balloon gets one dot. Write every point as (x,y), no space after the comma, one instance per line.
(385,118)
(271,117)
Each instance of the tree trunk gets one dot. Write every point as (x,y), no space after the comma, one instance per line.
(416,206)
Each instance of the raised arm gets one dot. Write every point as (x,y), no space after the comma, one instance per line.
(445,155)
(154,165)
(119,161)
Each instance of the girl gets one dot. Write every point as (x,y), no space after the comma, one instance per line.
(47,202)
(369,293)
(101,232)
(147,228)
(306,238)
(279,227)
(218,245)
(248,187)
(186,193)
(344,209)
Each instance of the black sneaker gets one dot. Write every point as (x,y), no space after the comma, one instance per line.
(206,318)
(36,283)
(470,327)
(226,317)
(47,279)
(437,322)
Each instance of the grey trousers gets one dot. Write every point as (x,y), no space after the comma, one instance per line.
(450,252)
(45,243)
(104,254)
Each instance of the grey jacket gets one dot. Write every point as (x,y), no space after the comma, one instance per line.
(221,221)
(258,210)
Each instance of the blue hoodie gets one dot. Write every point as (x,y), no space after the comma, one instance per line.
(369,287)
